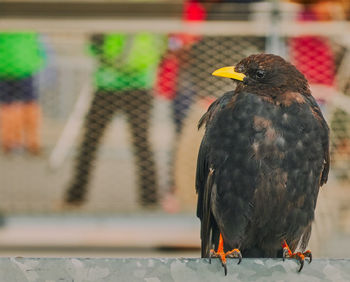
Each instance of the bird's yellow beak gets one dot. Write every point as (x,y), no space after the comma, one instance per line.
(229,72)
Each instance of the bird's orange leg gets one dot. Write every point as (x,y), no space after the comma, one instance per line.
(220,253)
(300,257)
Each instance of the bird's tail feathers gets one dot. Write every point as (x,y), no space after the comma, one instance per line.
(207,220)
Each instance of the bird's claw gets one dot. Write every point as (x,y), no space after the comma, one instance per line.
(235,253)
(225,267)
(285,253)
(300,257)
(212,253)
(301,261)
(308,256)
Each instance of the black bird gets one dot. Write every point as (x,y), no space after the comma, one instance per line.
(262,160)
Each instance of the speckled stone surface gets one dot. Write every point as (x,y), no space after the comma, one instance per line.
(163,269)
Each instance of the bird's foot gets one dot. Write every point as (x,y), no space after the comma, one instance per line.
(299,256)
(235,253)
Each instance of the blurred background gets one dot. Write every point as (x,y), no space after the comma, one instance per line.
(99,104)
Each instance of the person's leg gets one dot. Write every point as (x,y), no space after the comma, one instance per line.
(99,115)
(31,114)
(138,110)
(10,126)
(181,104)
(10,116)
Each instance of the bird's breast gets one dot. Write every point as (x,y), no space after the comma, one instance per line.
(255,138)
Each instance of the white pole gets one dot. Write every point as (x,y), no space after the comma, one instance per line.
(71,129)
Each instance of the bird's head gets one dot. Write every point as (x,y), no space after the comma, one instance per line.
(266,73)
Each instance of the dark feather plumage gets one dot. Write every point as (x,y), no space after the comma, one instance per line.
(261,162)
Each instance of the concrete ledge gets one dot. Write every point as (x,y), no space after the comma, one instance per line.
(163,269)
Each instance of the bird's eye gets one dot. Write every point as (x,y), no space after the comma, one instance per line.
(239,69)
(260,74)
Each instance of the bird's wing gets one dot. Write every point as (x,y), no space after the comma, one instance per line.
(205,176)
(325,137)
(202,160)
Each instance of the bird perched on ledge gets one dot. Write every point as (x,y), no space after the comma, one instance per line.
(262,160)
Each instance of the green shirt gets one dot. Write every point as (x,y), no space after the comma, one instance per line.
(20,54)
(128,62)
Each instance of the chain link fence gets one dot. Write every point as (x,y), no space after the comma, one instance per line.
(107,121)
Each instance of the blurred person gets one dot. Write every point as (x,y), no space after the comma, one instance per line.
(187,48)
(174,78)
(313,54)
(21,57)
(175,83)
(124,78)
